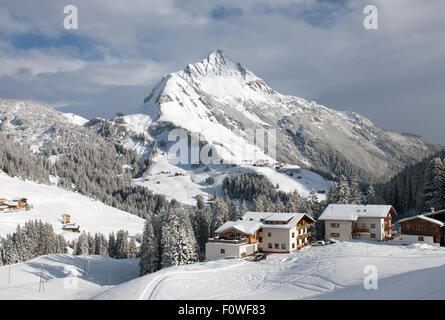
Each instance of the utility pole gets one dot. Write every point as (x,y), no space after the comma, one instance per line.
(42,282)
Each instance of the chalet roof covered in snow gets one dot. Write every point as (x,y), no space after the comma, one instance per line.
(226,226)
(351,212)
(252,221)
(282,216)
(257,216)
(423,217)
(243,226)
(294,218)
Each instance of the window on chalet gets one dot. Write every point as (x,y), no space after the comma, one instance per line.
(223,251)
(335,235)
(293,234)
(283,246)
(363,225)
(269,234)
(407,227)
(277,246)
(420,238)
(373,235)
(293,245)
(261,239)
(269,245)
(373,225)
(335,225)
(261,230)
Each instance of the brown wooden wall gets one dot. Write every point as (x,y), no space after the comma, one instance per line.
(430,229)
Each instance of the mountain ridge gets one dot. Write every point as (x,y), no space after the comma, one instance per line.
(217,92)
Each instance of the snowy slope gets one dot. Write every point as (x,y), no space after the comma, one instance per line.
(64,277)
(220,98)
(33,123)
(50,202)
(162,179)
(333,271)
(330,272)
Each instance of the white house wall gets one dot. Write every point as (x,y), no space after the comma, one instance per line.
(280,237)
(344,230)
(408,239)
(213,250)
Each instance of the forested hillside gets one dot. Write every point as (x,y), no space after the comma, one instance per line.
(418,188)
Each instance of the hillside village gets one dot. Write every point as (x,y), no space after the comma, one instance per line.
(256,233)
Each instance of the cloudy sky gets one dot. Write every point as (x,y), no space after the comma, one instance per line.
(315,49)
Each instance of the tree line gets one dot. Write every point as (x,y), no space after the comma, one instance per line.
(418,188)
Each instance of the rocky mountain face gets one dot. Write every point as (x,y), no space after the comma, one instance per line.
(220,98)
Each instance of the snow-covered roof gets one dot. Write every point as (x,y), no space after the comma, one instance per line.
(282,216)
(423,217)
(243,226)
(351,212)
(294,219)
(247,227)
(434,212)
(257,216)
(226,226)
(252,221)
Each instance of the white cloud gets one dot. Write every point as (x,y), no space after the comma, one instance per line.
(379,73)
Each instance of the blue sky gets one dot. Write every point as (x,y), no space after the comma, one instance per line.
(316,49)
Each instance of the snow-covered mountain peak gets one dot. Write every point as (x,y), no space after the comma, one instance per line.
(216,64)
(220,98)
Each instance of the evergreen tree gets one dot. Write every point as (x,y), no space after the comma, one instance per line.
(82,247)
(178,242)
(370,195)
(149,250)
(112,245)
(122,245)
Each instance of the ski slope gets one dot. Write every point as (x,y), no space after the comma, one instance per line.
(330,272)
(50,202)
(64,277)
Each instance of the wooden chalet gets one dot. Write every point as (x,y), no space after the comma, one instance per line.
(66,218)
(425,228)
(268,232)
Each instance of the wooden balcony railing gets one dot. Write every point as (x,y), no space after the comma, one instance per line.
(360,230)
(228,241)
(390,227)
(304,235)
(302,226)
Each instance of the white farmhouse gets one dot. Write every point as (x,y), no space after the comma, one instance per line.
(363,222)
(267,232)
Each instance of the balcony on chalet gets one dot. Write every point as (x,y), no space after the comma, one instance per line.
(389,227)
(305,235)
(359,230)
(230,241)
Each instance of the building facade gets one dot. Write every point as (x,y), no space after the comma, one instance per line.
(255,232)
(358,222)
(426,228)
